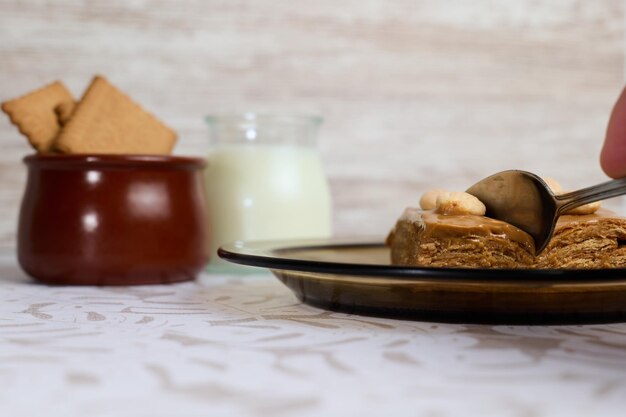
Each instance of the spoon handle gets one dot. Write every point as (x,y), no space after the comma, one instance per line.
(598,192)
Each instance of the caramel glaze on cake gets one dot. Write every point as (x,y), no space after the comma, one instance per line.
(425,238)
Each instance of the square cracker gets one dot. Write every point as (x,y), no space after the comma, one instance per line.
(34,114)
(107,121)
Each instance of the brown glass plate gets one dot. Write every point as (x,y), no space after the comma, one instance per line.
(356,277)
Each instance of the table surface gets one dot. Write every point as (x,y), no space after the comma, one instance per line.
(243,345)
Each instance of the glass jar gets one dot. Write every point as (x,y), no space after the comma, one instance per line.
(265,180)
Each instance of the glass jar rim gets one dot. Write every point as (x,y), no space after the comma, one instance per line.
(251,117)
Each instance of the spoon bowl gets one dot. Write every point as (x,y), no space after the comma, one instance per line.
(524,200)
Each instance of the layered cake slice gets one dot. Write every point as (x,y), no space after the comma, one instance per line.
(428,238)
(596,240)
(452,231)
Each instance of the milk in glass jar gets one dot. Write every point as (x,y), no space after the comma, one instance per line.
(265,180)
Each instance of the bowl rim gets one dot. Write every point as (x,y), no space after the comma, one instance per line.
(120,160)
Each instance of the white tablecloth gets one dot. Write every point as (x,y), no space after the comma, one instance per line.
(244,346)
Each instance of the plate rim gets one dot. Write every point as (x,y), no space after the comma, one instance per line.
(262,254)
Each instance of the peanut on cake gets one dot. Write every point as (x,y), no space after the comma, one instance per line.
(451,230)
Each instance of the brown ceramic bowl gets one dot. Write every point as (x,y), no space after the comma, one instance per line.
(113,219)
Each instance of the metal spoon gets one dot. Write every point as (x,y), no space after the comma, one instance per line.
(525,200)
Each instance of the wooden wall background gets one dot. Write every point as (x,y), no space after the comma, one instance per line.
(415,93)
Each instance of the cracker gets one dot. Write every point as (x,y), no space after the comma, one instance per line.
(34,115)
(64,111)
(107,121)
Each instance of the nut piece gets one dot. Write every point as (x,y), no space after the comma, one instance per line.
(554,185)
(455,203)
(429,198)
(586,209)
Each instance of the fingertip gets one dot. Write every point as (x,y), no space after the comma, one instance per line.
(613,154)
(611,162)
